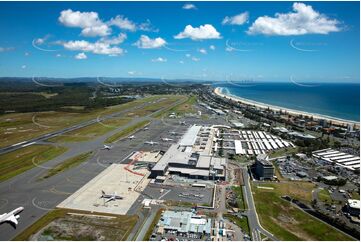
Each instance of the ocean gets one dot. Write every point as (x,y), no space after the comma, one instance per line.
(335,100)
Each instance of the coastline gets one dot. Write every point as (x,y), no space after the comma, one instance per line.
(343,122)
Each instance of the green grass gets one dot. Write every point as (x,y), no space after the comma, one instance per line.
(67,164)
(168,110)
(185,107)
(153,224)
(355,195)
(123,223)
(127,131)
(92,131)
(324,196)
(283,152)
(286,221)
(240,199)
(21,160)
(240,222)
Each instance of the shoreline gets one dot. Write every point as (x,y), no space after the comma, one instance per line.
(343,122)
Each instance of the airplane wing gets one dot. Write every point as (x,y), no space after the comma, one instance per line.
(110,199)
(12,219)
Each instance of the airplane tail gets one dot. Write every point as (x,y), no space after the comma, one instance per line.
(103,193)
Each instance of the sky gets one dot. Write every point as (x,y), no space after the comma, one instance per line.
(263,41)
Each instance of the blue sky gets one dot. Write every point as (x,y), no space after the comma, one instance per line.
(265,41)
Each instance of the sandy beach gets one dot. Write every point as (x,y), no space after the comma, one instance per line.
(218,91)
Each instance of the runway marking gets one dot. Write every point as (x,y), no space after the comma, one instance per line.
(37,165)
(101,164)
(55,191)
(37,206)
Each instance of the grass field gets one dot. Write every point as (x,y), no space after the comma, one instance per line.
(325,196)
(185,107)
(120,227)
(127,131)
(286,221)
(21,160)
(92,131)
(240,222)
(67,164)
(152,226)
(240,200)
(17,127)
(283,152)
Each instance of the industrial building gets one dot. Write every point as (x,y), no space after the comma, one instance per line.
(184,223)
(264,168)
(192,157)
(342,159)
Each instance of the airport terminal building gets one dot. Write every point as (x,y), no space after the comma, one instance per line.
(192,157)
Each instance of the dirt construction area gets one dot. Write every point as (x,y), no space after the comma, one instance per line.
(117,179)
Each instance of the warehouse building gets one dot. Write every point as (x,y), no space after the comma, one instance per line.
(184,223)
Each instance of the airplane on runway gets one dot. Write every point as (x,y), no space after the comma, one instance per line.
(11,217)
(167,139)
(111,197)
(131,137)
(150,143)
(182,122)
(107,147)
(145,128)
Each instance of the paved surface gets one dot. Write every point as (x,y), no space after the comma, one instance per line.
(40,196)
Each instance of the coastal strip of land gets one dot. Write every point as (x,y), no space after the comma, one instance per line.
(341,122)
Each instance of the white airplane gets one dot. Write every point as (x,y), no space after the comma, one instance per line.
(145,128)
(110,197)
(131,137)
(150,143)
(107,147)
(173,133)
(167,139)
(182,122)
(11,217)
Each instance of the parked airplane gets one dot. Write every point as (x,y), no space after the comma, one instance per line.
(107,147)
(110,197)
(182,122)
(174,133)
(150,143)
(145,128)
(167,139)
(131,137)
(11,217)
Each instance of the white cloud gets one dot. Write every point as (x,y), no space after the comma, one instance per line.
(147,26)
(114,40)
(159,59)
(131,73)
(303,20)
(229,49)
(238,19)
(181,62)
(5,49)
(89,22)
(212,47)
(188,55)
(98,47)
(202,50)
(123,23)
(58,55)
(81,56)
(195,59)
(145,42)
(23,67)
(206,31)
(189,6)
(26,53)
